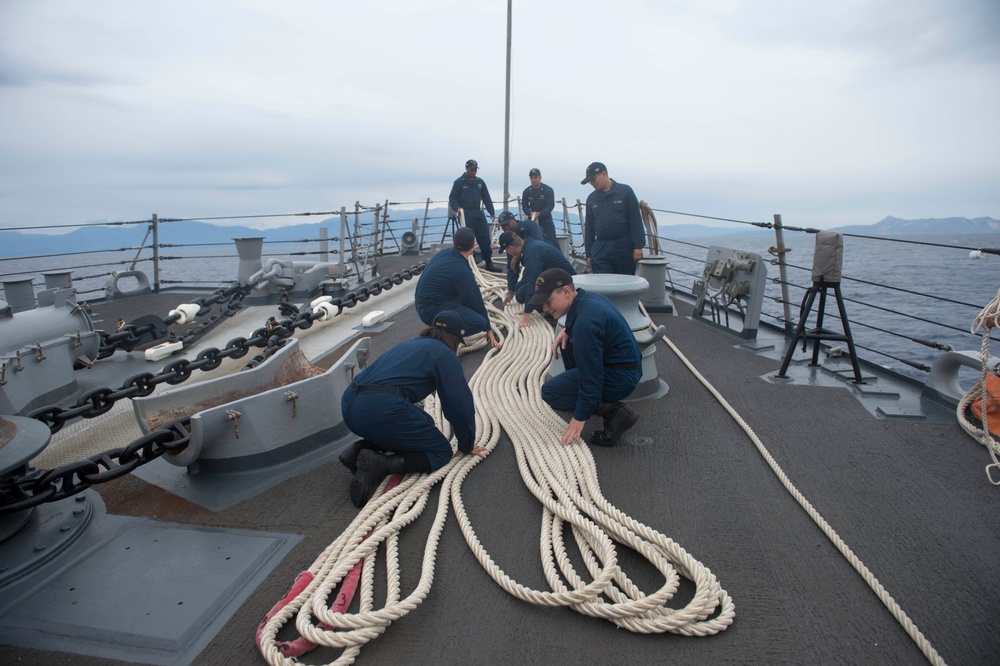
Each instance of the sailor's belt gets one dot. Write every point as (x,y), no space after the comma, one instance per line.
(623,366)
(385,388)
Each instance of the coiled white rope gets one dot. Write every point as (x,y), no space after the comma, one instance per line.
(987,319)
(897,611)
(507,388)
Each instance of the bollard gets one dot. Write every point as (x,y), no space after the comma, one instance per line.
(654,271)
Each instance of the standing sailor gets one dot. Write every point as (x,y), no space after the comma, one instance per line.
(447,283)
(468,192)
(379,406)
(537,201)
(602,359)
(613,234)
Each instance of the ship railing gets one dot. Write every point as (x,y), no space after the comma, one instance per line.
(894,320)
(905,326)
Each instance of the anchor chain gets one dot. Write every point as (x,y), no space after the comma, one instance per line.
(41,486)
(129,336)
(28,488)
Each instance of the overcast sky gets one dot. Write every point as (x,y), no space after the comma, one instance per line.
(829,113)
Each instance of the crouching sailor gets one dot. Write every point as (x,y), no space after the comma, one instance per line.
(447,283)
(601,356)
(399,437)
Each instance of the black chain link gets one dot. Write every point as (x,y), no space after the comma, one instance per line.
(67,480)
(36,487)
(151,328)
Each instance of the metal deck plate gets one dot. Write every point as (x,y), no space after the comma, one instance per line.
(146,591)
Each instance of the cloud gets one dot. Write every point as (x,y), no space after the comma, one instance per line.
(113,109)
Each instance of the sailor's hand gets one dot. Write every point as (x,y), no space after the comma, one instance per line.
(572,433)
(526,320)
(534,216)
(637,254)
(559,343)
(508,298)
(589,265)
(493,340)
(461,210)
(476,451)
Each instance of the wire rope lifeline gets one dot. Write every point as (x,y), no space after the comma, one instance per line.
(507,387)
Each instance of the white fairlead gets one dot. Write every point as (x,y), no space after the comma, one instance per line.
(187,313)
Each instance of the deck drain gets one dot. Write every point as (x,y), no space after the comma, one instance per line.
(639,440)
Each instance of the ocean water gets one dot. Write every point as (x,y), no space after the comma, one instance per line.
(951,289)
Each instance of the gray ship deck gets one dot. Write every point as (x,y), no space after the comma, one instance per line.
(911,499)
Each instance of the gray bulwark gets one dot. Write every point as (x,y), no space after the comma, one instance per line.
(140,590)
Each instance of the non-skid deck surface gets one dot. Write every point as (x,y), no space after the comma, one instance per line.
(910,499)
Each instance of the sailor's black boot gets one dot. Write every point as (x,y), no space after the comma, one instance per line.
(618,417)
(373,466)
(491,267)
(349,456)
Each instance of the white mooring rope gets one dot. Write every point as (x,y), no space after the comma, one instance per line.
(897,611)
(507,390)
(987,319)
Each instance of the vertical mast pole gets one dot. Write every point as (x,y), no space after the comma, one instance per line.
(506,127)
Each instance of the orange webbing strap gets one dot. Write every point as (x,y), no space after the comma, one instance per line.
(992,416)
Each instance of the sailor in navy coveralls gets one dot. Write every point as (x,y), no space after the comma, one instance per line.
(379,406)
(602,359)
(468,192)
(447,283)
(535,256)
(537,202)
(613,234)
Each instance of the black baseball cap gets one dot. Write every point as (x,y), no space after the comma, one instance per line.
(464,238)
(450,321)
(594,169)
(506,218)
(547,282)
(534,172)
(471,163)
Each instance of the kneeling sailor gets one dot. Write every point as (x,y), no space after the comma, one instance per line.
(379,406)
(602,359)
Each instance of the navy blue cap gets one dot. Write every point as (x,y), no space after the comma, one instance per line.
(547,282)
(450,321)
(505,239)
(592,170)
(464,239)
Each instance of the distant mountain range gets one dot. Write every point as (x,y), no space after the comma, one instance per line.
(90,239)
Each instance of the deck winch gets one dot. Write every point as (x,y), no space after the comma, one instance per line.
(39,349)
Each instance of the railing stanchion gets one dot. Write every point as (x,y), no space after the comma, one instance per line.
(156,253)
(423,229)
(783,273)
(343,239)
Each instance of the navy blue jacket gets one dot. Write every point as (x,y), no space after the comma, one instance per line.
(448,277)
(600,337)
(541,201)
(529,229)
(420,366)
(469,194)
(614,215)
(537,256)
